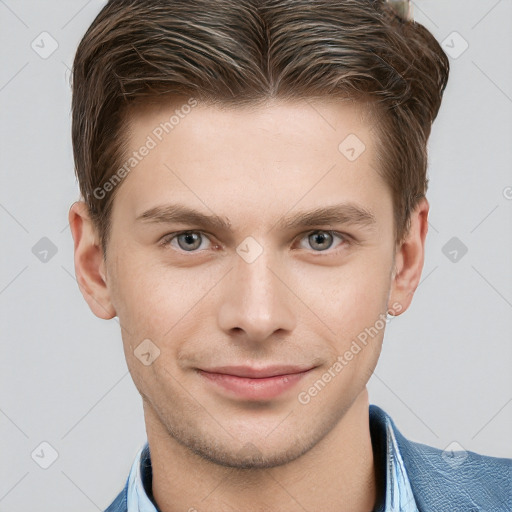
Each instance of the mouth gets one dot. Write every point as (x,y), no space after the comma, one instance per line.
(252,383)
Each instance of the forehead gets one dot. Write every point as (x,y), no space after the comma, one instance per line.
(292,120)
(272,156)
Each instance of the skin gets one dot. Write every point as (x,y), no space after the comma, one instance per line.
(299,302)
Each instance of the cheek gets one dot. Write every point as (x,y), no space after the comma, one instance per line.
(355,311)
(143,303)
(151,298)
(150,306)
(357,295)
(160,303)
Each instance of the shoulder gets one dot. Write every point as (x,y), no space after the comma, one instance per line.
(459,481)
(120,504)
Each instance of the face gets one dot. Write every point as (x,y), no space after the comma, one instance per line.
(257,320)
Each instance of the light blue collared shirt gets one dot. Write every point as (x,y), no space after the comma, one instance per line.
(399,496)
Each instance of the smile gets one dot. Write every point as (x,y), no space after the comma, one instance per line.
(254,384)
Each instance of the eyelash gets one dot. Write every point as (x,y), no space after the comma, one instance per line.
(346,240)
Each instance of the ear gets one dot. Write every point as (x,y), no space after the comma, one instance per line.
(89,263)
(409,258)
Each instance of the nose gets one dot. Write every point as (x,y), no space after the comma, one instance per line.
(256,301)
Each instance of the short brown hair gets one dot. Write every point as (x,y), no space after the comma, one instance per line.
(242,52)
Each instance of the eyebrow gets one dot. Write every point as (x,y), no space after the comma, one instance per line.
(344,213)
(179,214)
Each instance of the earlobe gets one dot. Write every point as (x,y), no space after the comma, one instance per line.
(89,262)
(409,260)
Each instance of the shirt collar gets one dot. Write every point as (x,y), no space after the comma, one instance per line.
(398,495)
(137,499)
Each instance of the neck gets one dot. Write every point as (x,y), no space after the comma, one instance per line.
(337,475)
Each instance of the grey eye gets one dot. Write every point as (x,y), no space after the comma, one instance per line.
(320,240)
(189,241)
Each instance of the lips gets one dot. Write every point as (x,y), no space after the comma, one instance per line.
(251,383)
(258,373)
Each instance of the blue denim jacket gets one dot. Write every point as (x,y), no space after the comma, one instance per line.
(416,477)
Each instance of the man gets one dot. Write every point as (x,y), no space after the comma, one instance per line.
(253,177)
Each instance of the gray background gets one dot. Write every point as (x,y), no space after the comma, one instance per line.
(445,372)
